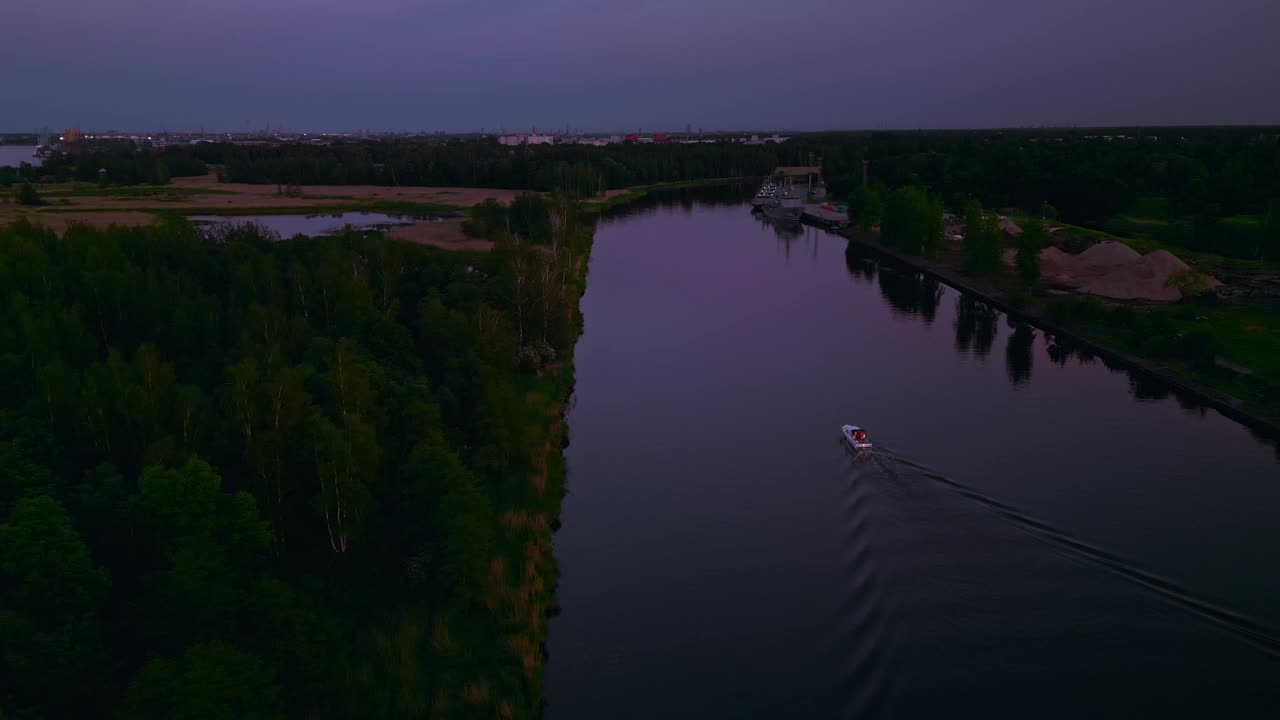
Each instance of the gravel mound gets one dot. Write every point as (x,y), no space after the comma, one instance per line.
(1147,278)
(1108,253)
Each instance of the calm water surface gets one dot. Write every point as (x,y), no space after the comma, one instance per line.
(313,225)
(1040,536)
(15,155)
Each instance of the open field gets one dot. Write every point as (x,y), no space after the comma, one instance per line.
(256,196)
(73,203)
(84,203)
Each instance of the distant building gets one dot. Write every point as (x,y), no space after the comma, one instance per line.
(525,140)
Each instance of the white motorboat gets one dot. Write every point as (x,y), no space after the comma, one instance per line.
(856,437)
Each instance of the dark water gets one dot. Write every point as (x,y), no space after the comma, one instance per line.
(15,155)
(313,225)
(1041,536)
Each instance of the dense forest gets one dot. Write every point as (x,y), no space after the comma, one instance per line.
(114,162)
(252,478)
(1088,175)
(1208,189)
(579,169)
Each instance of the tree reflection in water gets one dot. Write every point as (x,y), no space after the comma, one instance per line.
(914,294)
(975,325)
(860,261)
(909,293)
(1017,353)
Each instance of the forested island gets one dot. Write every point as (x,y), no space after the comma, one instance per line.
(249,477)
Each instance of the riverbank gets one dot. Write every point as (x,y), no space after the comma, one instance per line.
(1264,419)
(626,195)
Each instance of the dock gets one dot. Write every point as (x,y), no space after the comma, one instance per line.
(815,212)
(822,217)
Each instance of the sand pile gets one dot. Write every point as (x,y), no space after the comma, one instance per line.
(1056,266)
(1158,276)
(1108,253)
(1114,270)
(1072,271)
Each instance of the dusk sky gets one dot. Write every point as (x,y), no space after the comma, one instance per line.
(652,64)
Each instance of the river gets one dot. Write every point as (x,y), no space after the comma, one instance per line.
(15,155)
(1037,534)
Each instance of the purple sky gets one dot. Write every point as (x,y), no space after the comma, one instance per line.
(604,64)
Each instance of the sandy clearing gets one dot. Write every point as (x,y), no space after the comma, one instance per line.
(445,234)
(609,194)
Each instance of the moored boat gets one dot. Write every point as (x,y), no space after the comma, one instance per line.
(765,195)
(785,206)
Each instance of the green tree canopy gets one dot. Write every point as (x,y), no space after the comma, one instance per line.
(982,242)
(913,222)
(27,195)
(211,681)
(1030,243)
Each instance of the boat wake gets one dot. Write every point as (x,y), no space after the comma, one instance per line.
(1238,624)
(860,655)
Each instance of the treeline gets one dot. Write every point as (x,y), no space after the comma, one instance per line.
(577,169)
(914,221)
(1207,189)
(1089,175)
(306,478)
(114,162)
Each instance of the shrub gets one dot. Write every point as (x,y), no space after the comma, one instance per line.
(27,195)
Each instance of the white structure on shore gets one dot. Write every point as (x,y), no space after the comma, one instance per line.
(531,139)
(757,140)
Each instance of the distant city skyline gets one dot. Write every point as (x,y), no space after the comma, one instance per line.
(662,65)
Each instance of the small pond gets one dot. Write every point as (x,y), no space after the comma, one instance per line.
(314,225)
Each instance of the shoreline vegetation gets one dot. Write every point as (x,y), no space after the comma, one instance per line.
(1218,342)
(1042,317)
(339,460)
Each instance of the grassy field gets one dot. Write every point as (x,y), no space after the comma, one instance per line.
(88,204)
